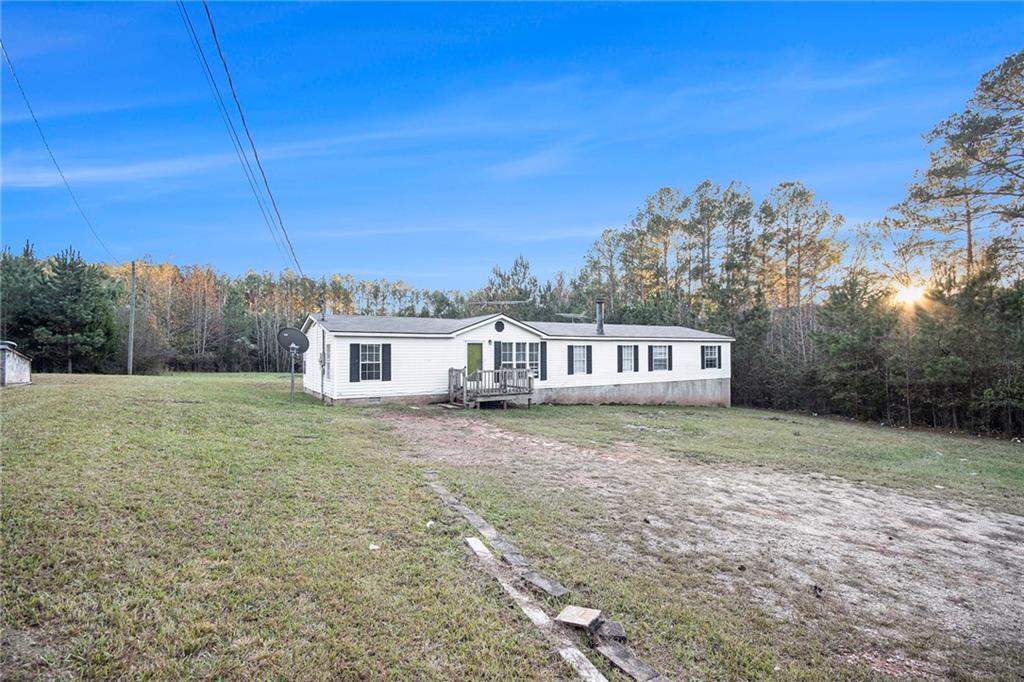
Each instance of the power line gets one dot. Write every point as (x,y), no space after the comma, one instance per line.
(229,124)
(39,128)
(243,159)
(248,133)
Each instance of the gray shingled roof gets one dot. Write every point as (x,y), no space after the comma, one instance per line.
(638,331)
(370,324)
(397,325)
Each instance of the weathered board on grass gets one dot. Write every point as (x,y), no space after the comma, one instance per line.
(626,661)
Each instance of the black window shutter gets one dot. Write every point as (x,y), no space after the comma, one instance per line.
(353,362)
(650,358)
(569,355)
(636,358)
(703,362)
(497,355)
(719,365)
(670,358)
(385,362)
(543,360)
(590,360)
(620,358)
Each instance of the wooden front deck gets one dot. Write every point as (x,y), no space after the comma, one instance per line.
(486,385)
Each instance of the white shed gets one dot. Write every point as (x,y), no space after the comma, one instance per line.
(15,366)
(357,358)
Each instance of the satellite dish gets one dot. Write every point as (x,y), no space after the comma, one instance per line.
(292,340)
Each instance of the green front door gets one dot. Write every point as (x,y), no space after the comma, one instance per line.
(474,358)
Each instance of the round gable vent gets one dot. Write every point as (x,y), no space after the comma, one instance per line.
(499,326)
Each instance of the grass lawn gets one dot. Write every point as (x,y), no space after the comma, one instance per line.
(980,470)
(200,526)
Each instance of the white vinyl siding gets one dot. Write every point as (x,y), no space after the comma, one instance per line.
(659,356)
(628,361)
(312,379)
(419,366)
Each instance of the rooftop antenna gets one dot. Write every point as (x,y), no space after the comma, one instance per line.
(500,304)
(575,317)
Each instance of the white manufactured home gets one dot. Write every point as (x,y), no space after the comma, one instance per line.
(357,358)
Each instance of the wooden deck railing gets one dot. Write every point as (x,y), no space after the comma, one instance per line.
(486,384)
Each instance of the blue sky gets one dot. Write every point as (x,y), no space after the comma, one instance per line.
(429,142)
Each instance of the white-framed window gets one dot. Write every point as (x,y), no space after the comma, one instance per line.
(369,362)
(628,360)
(327,360)
(711,357)
(659,358)
(579,359)
(533,359)
(507,355)
(520,355)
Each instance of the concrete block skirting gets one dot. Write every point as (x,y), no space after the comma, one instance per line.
(425,399)
(684,392)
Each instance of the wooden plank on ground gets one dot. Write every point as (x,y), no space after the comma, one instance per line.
(566,649)
(545,583)
(626,661)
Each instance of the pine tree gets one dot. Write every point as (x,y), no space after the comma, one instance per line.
(76,322)
(21,280)
(519,284)
(987,139)
(854,324)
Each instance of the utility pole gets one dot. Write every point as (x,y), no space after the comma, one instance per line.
(131,325)
(323,338)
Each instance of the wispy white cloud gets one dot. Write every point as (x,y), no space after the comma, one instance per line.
(555,234)
(564,120)
(34,41)
(115,173)
(381,231)
(16,175)
(541,162)
(488,232)
(808,78)
(432,128)
(15,111)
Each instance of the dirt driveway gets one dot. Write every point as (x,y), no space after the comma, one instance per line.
(889,564)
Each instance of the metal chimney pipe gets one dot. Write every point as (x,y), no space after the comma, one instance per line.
(599,315)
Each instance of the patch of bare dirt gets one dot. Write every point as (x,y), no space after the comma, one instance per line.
(26,654)
(894,563)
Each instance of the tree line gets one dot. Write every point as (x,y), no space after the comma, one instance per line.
(914,319)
